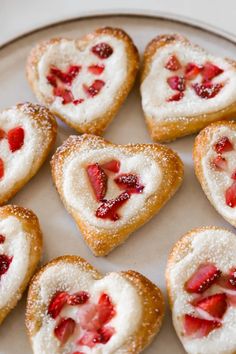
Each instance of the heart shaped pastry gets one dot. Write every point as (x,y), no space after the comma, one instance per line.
(20,251)
(215,166)
(73,309)
(184,88)
(201,282)
(27,134)
(111,190)
(84,81)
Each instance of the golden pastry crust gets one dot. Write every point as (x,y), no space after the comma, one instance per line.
(100,123)
(201,147)
(31,227)
(47,127)
(163,131)
(151,299)
(102,241)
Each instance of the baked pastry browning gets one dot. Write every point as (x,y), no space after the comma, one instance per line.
(215,166)
(27,134)
(111,190)
(72,308)
(20,252)
(201,284)
(184,88)
(84,81)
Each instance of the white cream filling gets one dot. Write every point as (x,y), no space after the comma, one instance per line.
(217,247)
(72,278)
(17,246)
(66,53)
(18,164)
(79,195)
(219,181)
(155,89)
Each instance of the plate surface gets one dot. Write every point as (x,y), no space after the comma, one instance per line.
(147,249)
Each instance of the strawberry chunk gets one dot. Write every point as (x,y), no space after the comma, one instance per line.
(191,71)
(96,69)
(232,278)
(173,63)
(230,195)
(98,181)
(202,278)
(210,71)
(215,305)
(5,262)
(177,97)
(102,50)
(79,298)
(65,94)
(198,327)
(78,101)
(233,176)
(2,134)
(223,145)
(207,90)
(65,77)
(105,334)
(106,310)
(177,83)
(94,89)
(220,163)
(15,138)
(57,302)
(64,329)
(130,182)
(2,239)
(108,209)
(112,166)
(1,168)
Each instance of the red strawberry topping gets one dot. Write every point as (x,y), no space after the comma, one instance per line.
(207,90)
(57,303)
(78,101)
(96,69)
(129,182)
(230,195)
(102,50)
(215,305)
(5,262)
(15,138)
(177,83)
(233,176)
(2,239)
(202,278)
(210,71)
(1,168)
(112,166)
(64,329)
(173,63)
(199,327)
(2,134)
(65,77)
(219,163)
(191,71)
(79,298)
(106,310)
(94,89)
(108,209)
(65,94)
(223,145)
(232,278)
(177,97)
(98,181)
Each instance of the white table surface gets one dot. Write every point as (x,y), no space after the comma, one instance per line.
(20,16)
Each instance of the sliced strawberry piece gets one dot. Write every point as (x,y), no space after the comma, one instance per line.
(52,80)
(210,71)
(79,298)
(64,329)
(191,71)
(130,182)
(202,279)
(106,309)
(57,302)
(15,138)
(108,209)
(207,90)
(232,278)
(94,89)
(65,77)
(78,101)
(233,176)
(112,166)
(177,83)
(230,195)
(2,134)
(105,334)
(78,353)
(215,305)
(102,50)
(173,63)
(98,181)
(5,262)
(199,327)
(220,163)
(2,239)
(1,168)
(96,69)
(223,145)
(65,94)
(177,97)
